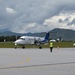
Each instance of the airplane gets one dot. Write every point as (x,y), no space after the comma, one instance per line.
(32,40)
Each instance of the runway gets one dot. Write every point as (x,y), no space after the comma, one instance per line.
(34,61)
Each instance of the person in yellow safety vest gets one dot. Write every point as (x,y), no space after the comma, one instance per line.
(51,46)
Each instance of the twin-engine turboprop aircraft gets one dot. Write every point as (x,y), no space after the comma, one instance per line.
(23,40)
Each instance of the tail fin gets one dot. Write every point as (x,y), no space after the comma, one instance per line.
(47,36)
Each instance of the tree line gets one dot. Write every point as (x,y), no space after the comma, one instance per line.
(8,38)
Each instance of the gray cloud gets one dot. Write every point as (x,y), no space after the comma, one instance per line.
(72,22)
(60,20)
(31,11)
(63,21)
(67,19)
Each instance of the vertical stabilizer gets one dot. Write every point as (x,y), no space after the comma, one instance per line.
(47,36)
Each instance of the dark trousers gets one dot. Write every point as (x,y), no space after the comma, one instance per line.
(51,48)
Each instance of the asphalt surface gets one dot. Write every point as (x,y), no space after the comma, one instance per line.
(35,61)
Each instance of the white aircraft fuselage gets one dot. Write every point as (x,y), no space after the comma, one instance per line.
(28,40)
(23,40)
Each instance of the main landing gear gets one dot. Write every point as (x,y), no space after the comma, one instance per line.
(40,47)
(23,47)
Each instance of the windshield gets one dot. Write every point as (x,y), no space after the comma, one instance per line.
(22,38)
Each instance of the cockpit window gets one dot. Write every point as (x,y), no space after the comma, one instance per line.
(22,38)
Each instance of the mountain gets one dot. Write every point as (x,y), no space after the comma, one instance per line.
(65,34)
(7,33)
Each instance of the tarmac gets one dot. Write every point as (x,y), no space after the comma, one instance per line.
(34,61)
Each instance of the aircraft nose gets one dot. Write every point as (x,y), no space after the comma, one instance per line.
(17,41)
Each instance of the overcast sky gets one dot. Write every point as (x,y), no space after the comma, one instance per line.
(36,15)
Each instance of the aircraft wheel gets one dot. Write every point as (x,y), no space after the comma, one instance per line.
(15,47)
(23,47)
(40,47)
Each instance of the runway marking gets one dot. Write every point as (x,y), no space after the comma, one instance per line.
(14,64)
(38,65)
(28,60)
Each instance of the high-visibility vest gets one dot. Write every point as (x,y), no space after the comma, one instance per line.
(51,44)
